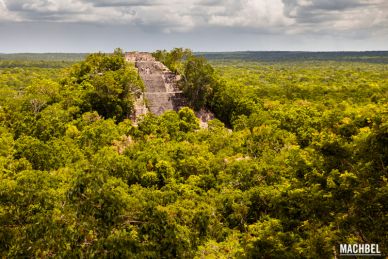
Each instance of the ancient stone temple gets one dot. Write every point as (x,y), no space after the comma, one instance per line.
(161,88)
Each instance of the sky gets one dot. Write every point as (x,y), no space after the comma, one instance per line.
(201,25)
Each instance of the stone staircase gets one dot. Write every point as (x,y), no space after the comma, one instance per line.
(161,88)
(161,91)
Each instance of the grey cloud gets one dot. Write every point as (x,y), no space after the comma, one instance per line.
(302,8)
(120,3)
(216,2)
(355,17)
(19,5)
(209,2)
(43,10)
(88,25)
(337,5)
(41,6)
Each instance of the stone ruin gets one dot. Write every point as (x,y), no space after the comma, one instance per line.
(161,88)
(136,56)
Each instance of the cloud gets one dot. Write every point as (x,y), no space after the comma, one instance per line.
(122,3)
(5,14)
(44,6)
(341,16)
(45,10)
(249,14)
(346,17)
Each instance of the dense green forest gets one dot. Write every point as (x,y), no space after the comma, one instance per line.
(295,163)
(69,57)
(300,56)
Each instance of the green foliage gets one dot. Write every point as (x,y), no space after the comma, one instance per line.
(173,59)
(303,170)
(198,78)
(198,81)
(108,85)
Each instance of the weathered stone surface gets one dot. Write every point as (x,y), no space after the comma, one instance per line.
(161,89)
(138,56)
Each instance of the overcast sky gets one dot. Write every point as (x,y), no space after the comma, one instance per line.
(202,25)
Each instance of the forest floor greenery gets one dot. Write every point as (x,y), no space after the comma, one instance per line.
(295,164)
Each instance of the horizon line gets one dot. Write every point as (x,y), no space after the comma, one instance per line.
(204,51)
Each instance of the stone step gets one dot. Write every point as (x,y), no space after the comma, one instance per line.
(161,86)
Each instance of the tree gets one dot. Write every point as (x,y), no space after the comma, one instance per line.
(109,85)
(198,81)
